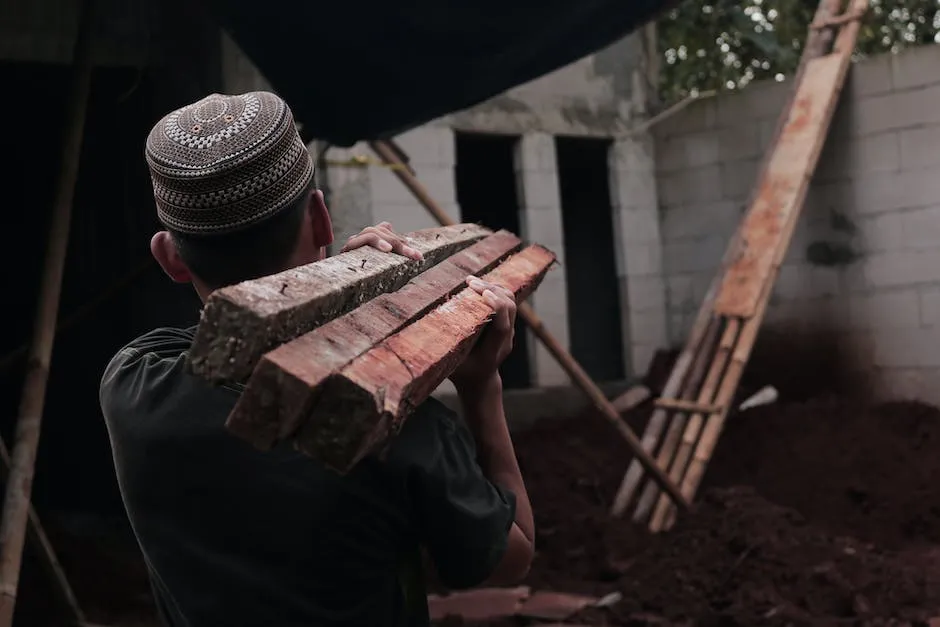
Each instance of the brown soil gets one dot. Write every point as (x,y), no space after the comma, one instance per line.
(836,524)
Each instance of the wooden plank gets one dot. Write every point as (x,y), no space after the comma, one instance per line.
(284,385)
(783,187)
(367,402)
(242,322)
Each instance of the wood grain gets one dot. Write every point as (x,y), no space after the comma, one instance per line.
(284,385)
(360,408)
(242,322)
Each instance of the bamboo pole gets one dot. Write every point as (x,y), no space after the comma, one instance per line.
(677,425)
(693,427)
(40,542)
(16,505)
(657,422)
(528,315)
(844,45)
(817,41)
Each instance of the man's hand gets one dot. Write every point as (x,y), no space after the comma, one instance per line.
(481,367)
(382,237)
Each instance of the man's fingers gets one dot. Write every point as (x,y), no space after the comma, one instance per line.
(383,238)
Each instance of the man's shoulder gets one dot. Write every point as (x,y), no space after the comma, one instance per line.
(150,356)
(433,430)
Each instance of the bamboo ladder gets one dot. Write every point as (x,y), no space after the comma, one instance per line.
(698,394)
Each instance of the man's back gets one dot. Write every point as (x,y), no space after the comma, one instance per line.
(233,536)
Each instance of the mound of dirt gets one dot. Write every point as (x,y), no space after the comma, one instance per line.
(815,512)
(741,560)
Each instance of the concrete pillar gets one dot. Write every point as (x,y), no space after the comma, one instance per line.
(540,219)
(639,250)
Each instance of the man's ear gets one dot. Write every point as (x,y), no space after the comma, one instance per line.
(164,250)
(320,220)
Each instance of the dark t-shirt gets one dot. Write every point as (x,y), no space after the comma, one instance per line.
(233,536)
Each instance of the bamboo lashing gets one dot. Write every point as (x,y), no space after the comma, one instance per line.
(565,360)
(742,298)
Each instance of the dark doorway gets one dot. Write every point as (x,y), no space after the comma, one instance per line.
(594,315)
(487,194)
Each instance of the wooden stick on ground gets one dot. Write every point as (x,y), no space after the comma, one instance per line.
(565,360)
(242,322)
(16,504)
(38,539)
(282,389)
(363,405)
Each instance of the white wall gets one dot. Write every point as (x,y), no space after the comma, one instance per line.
(876,195)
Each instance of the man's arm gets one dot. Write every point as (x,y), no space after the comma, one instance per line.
(484,414)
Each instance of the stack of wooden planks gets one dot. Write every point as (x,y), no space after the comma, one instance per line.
(334,356)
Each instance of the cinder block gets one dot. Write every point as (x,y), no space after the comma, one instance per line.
(921,227)
(671,154)
(634,189)
(536,151)
(636,153)
(907,348)
(702,149)
(539,189)
(929,303)
(915,67)
(680,293)
(895,111)
(698,116)
(543,226)
(642,259)
(646,294)
(698,220)
(859,157)
(428,146)
(742,141)
(903,267)
(791,282)
(920,147)
(407,217)
(439,181)
(635,226)
(738,178)
(870,77)
(648,327)
(885,310)
(880,233)
(880,192)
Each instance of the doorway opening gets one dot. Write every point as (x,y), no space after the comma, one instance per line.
(487,194)
(594,314)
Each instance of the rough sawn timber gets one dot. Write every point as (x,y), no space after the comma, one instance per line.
(360,408)
(284,385)
(242,322)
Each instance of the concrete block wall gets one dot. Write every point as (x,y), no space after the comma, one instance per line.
(865,259)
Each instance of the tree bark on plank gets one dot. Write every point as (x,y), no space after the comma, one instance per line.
(360,408)
(241,322)
(283,386)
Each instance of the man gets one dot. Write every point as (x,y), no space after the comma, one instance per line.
(233,536)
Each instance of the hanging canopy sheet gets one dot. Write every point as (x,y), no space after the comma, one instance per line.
(365,69)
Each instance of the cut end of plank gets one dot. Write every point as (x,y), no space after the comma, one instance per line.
(347,423)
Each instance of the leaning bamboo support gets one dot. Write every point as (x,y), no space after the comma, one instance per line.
(693,427)
(657,422)
(691,391)
(16,504)
(528,315)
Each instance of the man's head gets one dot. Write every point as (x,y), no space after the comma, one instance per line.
(233,184)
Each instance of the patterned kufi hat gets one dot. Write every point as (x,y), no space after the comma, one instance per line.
(226,162)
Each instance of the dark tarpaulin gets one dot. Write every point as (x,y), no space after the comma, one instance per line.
(365,69)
